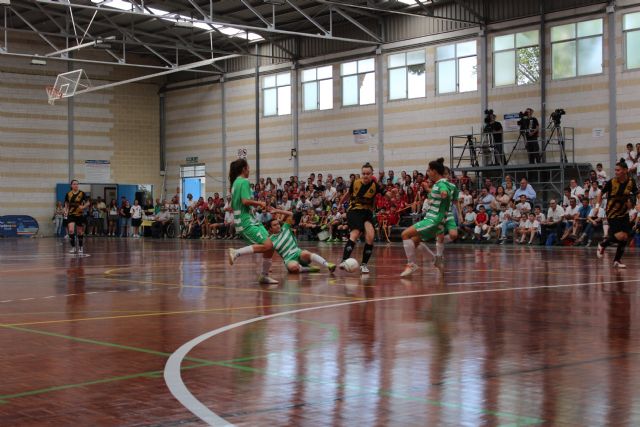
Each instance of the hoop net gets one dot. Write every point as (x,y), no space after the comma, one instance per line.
(53,94)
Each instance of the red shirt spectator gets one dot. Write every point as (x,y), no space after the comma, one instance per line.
(393,218)
(382,202)
(481,217)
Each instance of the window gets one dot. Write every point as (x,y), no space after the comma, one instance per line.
(276,95)
(631,28)
(516,59)
(576,49)
(407,75)
(317,88)
(457,67)
(358,82)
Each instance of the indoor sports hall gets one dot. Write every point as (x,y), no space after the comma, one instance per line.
(319,213)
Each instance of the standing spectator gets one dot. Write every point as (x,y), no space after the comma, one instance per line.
(190,202)
(125,219)
(530,127)
(136,218)
(113,218)
(58,218)
(629,156)
(102,224)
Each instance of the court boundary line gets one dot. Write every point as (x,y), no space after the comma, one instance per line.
(172,371)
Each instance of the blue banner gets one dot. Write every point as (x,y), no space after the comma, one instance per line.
(18,226)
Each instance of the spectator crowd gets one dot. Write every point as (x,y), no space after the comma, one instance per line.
(493,210)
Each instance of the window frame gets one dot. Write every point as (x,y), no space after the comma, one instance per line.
(625,42)
(515,50)
(318,91)
(576,39)
(357,74)
(456,60)
(276,87)
(406,67)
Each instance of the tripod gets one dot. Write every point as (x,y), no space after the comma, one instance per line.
(521,137)
(556,131)
(469,144)
(487,145)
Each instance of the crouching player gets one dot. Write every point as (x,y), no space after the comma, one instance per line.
(284,242)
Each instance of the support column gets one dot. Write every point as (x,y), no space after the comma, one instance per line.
(613,96)
(295,102)
(484,79)
(380,105)
(163,144)
(543,76)
(257,96)
(70,128)
(223,103)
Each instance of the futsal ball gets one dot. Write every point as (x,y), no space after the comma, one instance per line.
(351,265)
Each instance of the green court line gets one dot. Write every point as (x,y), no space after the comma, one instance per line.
(233,365)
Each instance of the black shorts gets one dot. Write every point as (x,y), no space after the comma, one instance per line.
(136,222)
(79,220)
(617,225)
(357,218)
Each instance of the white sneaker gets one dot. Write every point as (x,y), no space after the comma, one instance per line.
(232,256)
(364,269)
(486,236)
(409,270)
(266,280)
(618,264)
(600,251)
(73,250)
(81,251)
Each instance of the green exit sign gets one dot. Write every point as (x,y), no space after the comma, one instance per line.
(192,160)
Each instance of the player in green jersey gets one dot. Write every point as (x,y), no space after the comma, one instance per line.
(433,224)
(450,226)
(295,259)
(248,227)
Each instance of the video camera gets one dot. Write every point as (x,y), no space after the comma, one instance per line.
(524,120)
(488,114)
(557,115)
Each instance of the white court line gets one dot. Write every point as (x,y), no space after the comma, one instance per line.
(172,369)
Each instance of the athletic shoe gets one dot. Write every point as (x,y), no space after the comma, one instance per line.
(438,262)
(73,250)
(409,270)
(266,280)
(232,256)
(364,269)
(81,251)
(600,251)
(618,264)
(331,267)
(314,269)
(503,241)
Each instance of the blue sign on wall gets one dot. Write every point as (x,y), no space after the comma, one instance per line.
(18,226)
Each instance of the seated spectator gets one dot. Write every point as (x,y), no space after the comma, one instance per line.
(494,226)
(593,223)
(571,215)
(575,190)
(485,200)
(527,190)
(381,225)
(523,206)
(511,220)
(554,221)
(501,201)
(594,192)
(187,223)
(160,222)
(531,228)
(481,222)
(469,224)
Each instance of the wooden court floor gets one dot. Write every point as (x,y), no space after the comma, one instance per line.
(131,336)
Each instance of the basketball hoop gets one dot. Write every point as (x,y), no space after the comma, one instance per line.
(53,94)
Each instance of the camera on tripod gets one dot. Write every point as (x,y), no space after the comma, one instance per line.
(524,120)
(556,116)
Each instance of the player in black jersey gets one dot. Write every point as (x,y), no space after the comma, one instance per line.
(362,193)
(76,202)
(618,190)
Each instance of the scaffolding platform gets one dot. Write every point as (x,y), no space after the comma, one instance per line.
(477,155)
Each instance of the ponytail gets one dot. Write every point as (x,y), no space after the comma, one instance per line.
(236,168)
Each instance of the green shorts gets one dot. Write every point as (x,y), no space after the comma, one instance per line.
(295,258)
(429,228)
(255,234)
(450,224)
